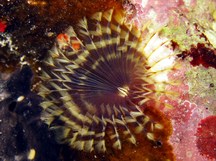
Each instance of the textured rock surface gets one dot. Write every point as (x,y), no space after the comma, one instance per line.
(28,29)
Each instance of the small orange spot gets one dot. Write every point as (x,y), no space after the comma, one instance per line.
(36,3)
(63,37)
(76,46)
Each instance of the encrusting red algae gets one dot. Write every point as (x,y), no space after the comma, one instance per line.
(201,55)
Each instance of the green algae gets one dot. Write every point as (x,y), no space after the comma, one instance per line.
(195,25)
(202,85)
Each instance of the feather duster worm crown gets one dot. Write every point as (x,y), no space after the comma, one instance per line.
(95,81)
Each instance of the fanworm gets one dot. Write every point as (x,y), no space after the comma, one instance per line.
(96,79)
